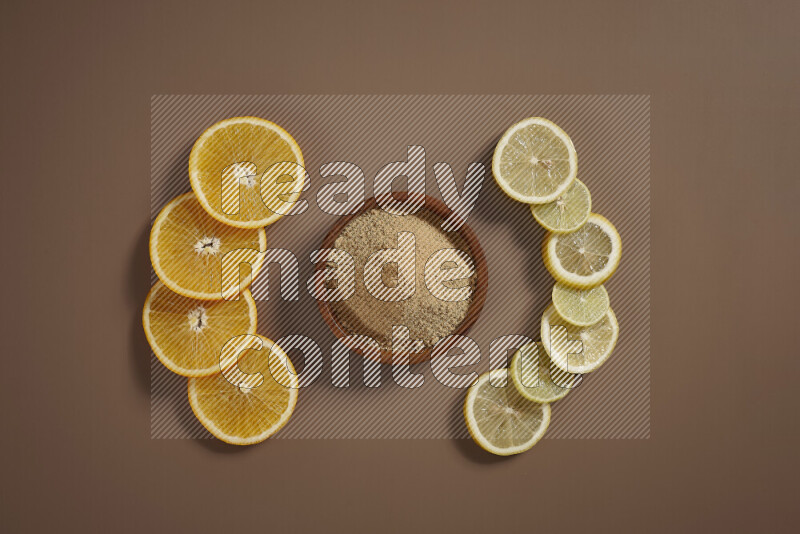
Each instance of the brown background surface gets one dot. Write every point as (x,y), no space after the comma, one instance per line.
(77,79)
(611,134)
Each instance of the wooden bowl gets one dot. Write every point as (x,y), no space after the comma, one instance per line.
(439,209)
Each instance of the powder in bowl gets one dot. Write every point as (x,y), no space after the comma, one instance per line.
(427,318)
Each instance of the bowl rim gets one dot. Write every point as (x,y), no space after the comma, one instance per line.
(439,208)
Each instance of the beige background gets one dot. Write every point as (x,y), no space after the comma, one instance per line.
(76,449)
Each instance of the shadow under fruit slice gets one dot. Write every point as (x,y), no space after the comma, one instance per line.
(246,171)
(500,420)
(187,335)
(261,403)
(187,247)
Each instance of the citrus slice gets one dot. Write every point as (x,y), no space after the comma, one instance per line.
(566,213)
(246,171)
(584,258)
(501,420)
(536,378)
(578,349)
(534,161)
(187,335)
(581,307)
(187,246)
(256,408)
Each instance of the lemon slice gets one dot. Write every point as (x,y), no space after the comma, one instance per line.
(534,161)
(536,378)
(584,258)
(187,335)
(247,415)
(581,307)
(247,172)
(500,420)
(187,246)
(596,341)
(568,212)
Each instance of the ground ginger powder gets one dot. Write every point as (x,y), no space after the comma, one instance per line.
(427,318)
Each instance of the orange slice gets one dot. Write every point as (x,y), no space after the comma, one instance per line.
(259,403)
(187,247)
(247,172)
(187,335)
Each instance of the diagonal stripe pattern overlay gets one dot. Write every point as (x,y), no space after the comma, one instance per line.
(611,134)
